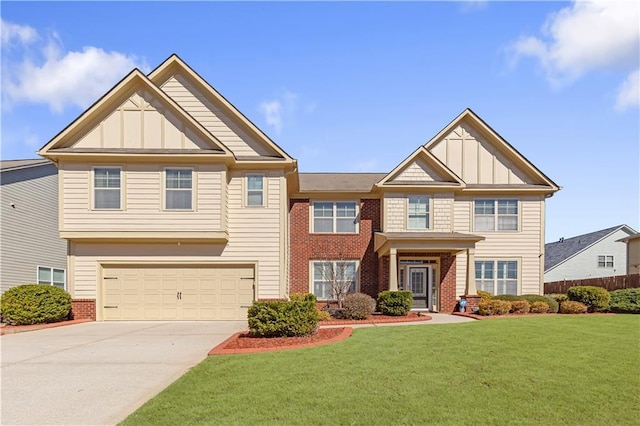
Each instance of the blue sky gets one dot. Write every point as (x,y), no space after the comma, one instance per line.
(359,86)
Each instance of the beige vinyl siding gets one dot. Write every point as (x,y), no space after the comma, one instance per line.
(441,210)
(141,123)
(394,205)
(417,171)
(633,253)
(254,238)
(469,155)
(212,118)
(29,232)
(395,212)
(523,245)
(142,187)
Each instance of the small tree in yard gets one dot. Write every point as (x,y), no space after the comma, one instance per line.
(338,278)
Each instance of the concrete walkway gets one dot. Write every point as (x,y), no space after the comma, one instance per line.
(98,373)
(435,319)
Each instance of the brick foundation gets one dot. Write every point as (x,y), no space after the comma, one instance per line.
(473,301)
(83,309)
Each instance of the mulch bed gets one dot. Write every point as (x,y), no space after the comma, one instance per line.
(482,317)
(243,342)
(379,319)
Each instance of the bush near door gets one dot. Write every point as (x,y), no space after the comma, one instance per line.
(34,304)
(395,303)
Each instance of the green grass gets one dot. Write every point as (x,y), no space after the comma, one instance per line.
(573,370)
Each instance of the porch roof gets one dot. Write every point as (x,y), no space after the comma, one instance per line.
(444,241)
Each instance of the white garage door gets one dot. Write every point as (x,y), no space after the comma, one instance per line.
(177,292)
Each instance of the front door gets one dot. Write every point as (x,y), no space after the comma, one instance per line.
(418,280)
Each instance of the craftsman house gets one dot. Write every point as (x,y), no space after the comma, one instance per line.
(176,206)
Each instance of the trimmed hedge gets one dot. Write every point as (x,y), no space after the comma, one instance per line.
(520,307)
(324,316)
(625,301)
(302,297)
(494,307)
(283,318)
(572,307)
(539,308)
(553,305)
(358,306)
(596,298)
(395,303)
(507,297)
(34,304)
(484,295)
(559,297)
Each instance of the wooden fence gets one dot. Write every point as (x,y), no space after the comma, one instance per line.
(610,283)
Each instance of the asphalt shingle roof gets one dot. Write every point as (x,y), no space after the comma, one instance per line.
(557,252)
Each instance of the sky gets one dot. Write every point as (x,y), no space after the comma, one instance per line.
(357,87)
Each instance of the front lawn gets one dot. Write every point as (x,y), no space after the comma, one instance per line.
(577,370)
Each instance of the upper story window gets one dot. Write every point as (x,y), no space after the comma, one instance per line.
(335,217)
(418,212)
(497,276)
(106,188)
(52,276)
(178,189)
(495,215)
(255,190)
(605,261)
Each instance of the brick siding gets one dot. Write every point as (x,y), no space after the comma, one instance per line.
(306,246)
(83,309)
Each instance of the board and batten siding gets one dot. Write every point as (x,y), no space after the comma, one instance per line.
(525,245)
(29,232)
(585,264)
(395,211)
(255,238)
(212,118)
(142,187)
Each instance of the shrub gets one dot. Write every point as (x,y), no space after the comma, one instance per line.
(485,295)
(494,307)
(396,303)
(519,307)
(358,306)
(282,318)
(625,301)
(507,297)
(539,307)
(596,298)
(572,307)
(324,316)
(553,305)
(34,304)
(302,297)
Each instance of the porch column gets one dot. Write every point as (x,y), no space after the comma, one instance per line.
(471,273)
(393,269)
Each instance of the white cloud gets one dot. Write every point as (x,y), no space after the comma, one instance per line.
(629,92)
(473,5)
(276,111)
(586,36)
(62,78)
(9,32)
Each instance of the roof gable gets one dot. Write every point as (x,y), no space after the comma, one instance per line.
(134,116)
(215,112)
(480,156)
(421,169)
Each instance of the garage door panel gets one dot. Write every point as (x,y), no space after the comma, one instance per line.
(177,293)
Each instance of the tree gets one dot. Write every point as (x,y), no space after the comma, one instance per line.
(340,275)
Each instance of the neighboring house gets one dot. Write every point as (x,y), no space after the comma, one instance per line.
(176,206)
(31,250)
(593,255)
(633,253)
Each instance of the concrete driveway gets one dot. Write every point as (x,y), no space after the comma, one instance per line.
(98,373)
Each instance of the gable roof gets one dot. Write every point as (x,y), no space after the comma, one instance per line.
(174,63)
(338,182)
(560,251)
(498,141)
(135,80)
(421,154)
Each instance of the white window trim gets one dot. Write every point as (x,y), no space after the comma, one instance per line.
(193,188)
(613,263)
(246,189)
(495,266)
(51,268)
(429,212)
(312,222)
(496,215)
(92,196)
(311,273)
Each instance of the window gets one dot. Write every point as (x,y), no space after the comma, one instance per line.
(106,188)
(338,217)
(495,215)
(497,277)
(418,212)
(178,189)
(255,190)
(52,276)
(333,276)
(605,261)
